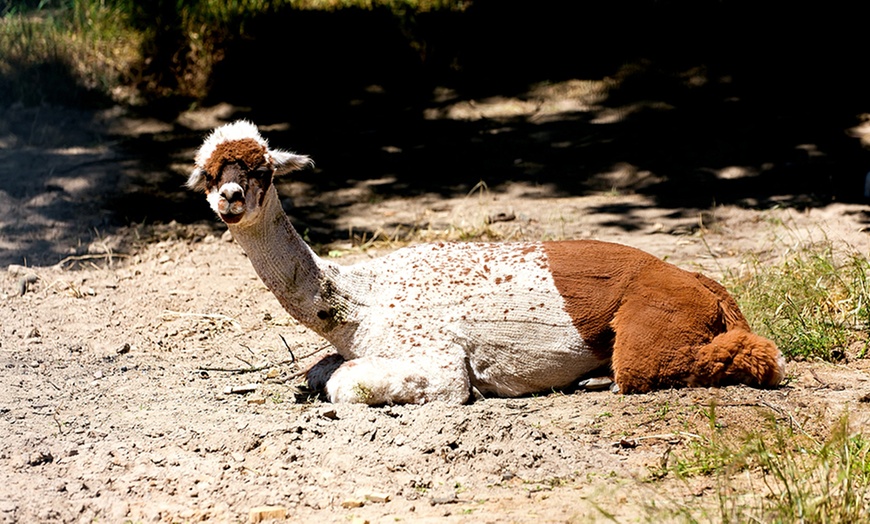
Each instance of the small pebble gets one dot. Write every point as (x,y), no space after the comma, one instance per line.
(42,456)
(378,497)
(262,513)
(25,281)
(247,388)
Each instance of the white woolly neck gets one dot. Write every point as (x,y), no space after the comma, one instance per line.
(285,263)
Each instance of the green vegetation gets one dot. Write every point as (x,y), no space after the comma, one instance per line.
(779,474)
(814,303)
(58,51)
(62,54)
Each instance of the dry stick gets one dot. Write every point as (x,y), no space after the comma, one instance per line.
(824,384)
(252,369)
(245,361)
(316,351)
(288,378)
(209,316)
(794,422)
(59,425)
(663,436)
(69,287)
(75,258)
(292,356)
(249,369)
(668,436)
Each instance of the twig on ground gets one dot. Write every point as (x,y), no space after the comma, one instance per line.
(292,356)
(288,378)
(316,351)
(59,425)
(828,385)
(670,436)
(254,369)
(794,423)
(77,258)
(632,442)
(245,361)
(816,376)
(249,369)
(208,316)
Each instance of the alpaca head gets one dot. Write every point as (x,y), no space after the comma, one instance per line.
(235,167)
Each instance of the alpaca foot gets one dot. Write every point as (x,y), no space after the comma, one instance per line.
(377,381)
(597,384)
(319,374)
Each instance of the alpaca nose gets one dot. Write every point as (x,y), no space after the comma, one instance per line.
(232,193)
(229,200)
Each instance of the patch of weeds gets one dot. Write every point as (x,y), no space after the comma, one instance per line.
(363,393)
(814,302)
(776,474)
(662,410)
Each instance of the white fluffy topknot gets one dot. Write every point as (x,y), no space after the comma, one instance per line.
(238,130)
(281,161)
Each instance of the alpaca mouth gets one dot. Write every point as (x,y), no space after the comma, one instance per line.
(229,218)
(230,212)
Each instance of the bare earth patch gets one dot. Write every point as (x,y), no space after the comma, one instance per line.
(120,369)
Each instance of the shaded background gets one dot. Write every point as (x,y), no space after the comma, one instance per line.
(698,88)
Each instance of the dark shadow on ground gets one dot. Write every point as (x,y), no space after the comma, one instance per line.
(708,103)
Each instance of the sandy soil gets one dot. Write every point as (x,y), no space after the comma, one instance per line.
(119,364)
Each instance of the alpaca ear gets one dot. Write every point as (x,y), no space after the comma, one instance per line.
(285,161)
(196,181)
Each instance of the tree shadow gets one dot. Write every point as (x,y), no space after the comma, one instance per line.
(688,115)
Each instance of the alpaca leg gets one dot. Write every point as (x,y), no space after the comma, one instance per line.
(319,374)
(686,346)
(733,357)
(380,380)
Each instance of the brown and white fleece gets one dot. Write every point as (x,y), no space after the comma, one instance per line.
(430,322)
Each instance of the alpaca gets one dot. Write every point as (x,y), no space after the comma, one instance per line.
(434,322)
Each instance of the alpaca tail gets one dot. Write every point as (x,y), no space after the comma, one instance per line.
(737,357)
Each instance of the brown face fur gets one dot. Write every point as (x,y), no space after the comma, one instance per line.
(237,176)
(246,152)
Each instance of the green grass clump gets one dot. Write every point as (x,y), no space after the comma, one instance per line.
(814,303)
(73,53)
(778,474)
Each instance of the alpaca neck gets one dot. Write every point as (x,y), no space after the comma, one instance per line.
(304,284)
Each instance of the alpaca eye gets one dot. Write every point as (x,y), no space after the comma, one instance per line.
(261,173)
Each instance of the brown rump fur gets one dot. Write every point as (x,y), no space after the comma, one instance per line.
(662,326)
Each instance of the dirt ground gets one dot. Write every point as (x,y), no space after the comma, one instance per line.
(150,377)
